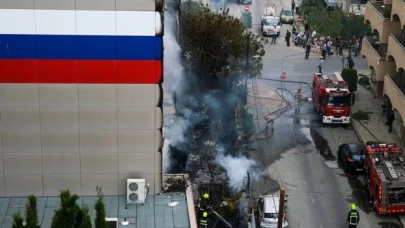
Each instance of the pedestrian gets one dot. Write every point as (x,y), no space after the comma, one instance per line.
(270,123)
(308,48)
(324,50)
(294,34)
(274,37)
(354,40)
(320,65)
(304,39)
(341,49)
(356,48)
(287,38)
(292,6)
(328,46)
(298,98)
(390,120)
(350,62)
(353,218)
(338,44)
(342,58)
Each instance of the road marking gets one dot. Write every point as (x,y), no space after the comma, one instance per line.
(305,182)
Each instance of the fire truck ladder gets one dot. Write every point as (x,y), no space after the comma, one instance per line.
(390,174)
(332,79)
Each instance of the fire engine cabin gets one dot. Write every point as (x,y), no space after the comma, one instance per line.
(385,175)
(332,98)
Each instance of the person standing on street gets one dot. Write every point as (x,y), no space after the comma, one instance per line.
(274,37)
(338,44)
(308,48)
(350,62)
(324,50)
(353,218)
(287,38)
(356,48)
(292,6)
(298,98)
(390,120)
(320,65)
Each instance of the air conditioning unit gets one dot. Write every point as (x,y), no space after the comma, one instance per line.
(136,191)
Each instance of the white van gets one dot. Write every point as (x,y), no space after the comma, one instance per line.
(268,207)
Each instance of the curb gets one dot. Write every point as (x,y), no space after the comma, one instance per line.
(356,130)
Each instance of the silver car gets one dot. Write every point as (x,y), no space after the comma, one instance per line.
(268,207)
(286,16)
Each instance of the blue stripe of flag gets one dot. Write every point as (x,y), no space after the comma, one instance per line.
(81,47)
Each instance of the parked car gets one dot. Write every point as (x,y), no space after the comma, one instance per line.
(268,207)
(245,2)
(352,156)
(286,16)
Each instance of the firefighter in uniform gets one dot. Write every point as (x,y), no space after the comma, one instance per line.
(203,204)
(298,98)
(270,123)
(353,218)
(203,220)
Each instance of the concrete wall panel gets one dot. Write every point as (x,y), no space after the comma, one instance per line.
(2,185)
(103,118)
(22,163)
(52,22)
(99,164)
(95,5)
(108,182)
(58,118)
(20,185)
(55,4)
(136,163)
(21,141)
(61,163)
(132,141)
(98,95)
(142,118)
(127,23)
(58,95)
(60,141)
(98,141)
(139,5)
(19,95)
(138,95)
(17,4)
(95,23)
(53,184)
(20,118)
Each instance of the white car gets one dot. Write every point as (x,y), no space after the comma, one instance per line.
(268,207)
(271,25)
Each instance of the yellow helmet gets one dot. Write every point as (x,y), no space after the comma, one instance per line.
(353,206)
(205,214)
(206,196)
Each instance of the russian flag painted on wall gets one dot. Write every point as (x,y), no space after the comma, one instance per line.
(80,46)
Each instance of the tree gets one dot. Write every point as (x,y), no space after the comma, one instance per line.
(326,22)
(18,221)
(216,44)
(100,221)
(31,212)
(69,214)
(350,76)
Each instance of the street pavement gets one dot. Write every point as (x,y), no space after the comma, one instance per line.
(300,155)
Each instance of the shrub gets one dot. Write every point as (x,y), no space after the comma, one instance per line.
(350,76)
(364,81)
(360,115)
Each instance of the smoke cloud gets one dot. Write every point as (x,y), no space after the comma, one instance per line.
(196,106)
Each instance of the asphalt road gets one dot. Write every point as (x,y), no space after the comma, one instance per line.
(301,154)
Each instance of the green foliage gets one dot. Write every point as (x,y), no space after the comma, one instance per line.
(353,25)
(216,44)
(231,210)
(31,212)
(325,22)
(360,115)
(18,221)
(69,214)
(100,221)
(350,76)
(364,81)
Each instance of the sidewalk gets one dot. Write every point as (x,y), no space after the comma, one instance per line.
(373,129)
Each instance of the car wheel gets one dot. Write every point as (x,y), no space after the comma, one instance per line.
(346,167)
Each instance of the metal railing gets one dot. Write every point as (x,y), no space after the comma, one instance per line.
(371,42)
(399,39)
(381,11)
(395,84)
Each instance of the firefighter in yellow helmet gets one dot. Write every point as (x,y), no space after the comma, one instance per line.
(203,220)
(203,203)
(206,196)
(353,218)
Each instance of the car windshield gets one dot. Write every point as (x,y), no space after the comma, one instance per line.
(357,149)
(287,13)
(340,101)
(271,21)
(270,215)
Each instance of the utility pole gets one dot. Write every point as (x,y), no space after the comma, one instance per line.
(281,209)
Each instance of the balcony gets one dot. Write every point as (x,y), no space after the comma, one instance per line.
(398,8)
(379,15)
(396,49)
(376,54)
(395,94)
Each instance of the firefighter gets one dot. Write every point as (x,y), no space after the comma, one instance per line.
(270,123)
(353,218)
(203,220)
(320,64)
(203,204)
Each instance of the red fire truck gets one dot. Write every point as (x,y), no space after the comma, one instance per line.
(332,98)
(384,168)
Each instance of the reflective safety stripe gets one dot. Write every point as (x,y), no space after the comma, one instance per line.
(203,222)
(354,218)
